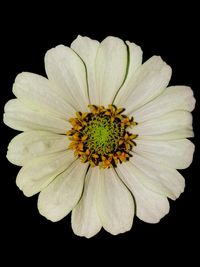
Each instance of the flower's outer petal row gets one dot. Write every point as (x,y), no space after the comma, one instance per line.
(134,62)
(168,123)
(29,145)
(22,118)
(35,91)
(177,154)
(150,206)
(63,193)
(114,202)
(39,172)
(85,218)
(175,135)
(157,177)
(111,67)
(87,48)
(149,81)
(173,98)
(67,72)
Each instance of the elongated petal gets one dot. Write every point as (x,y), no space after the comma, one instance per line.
(148,82)
(134,62)
(150,206)
(174,135)
(35,91)
(115,203)
(87,48)
(111,67)
(173,98)
(176,154)
(67,72)
(20,117)
(170,122)
(157,177)
(60,196)
(85,219)
(39,172)
(29,145)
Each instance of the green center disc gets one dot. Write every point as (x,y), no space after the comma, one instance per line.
(103,135)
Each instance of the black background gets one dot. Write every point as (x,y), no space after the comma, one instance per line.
(27,32)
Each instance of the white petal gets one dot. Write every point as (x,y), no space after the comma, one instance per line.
(134,62)
(85,219)
(60,196)
(157,177)
(26,146)
(176,154)
(173,98)
(176,135)
(20,117)
(87,48)
(148,82)
(35,91)
(111,67)
(150,206)
(170,122)
(115,203)
(39,172)
(67,71)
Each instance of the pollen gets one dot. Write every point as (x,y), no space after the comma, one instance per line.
(101,136)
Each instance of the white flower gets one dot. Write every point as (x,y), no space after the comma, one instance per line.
(109,154)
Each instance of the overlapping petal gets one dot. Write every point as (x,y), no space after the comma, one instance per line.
(114,202)
(22,118)
(63,193)
(173,98)
(85,218)
(36,92)
(40,172)
(150,206)
(67,72)
(111,66)
(158,177)
(29,145)
(87,49)
(149,81)
(176,154)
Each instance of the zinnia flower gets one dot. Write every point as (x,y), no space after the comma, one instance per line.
(102,136)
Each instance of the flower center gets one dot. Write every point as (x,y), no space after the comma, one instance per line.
(103,135)
(100,137)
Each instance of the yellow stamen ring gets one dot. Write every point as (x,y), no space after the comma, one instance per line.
(100,137)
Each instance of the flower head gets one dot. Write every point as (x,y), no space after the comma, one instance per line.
(101,129)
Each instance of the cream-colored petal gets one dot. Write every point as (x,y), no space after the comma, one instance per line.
(87,48)
(176,154)
(67,72)
(173,98)
(114,202)
(85,219)
(111,67)
(134,62)
(175,135)
(36,92)
(150,206)
(29,145)
(170,122)
(149,81)
(61,195)
(20,117)
(39,172)
(158,177)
